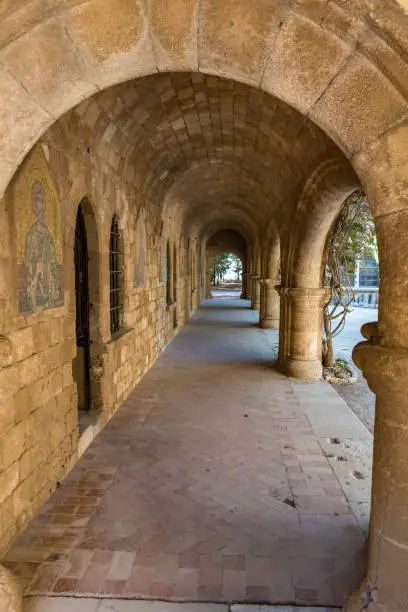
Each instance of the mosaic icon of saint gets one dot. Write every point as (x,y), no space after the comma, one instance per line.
(43,284)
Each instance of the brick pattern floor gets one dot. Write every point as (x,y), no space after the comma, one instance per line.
(219,492)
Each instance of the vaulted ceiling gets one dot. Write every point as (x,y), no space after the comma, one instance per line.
(220,152)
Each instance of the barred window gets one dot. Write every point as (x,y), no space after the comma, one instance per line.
(115,261)
(169,297)
(174,296)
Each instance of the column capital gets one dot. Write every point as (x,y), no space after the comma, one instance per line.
(382,366)
(268,283)
(318,296)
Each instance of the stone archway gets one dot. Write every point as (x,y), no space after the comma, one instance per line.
(225,241)
(272,49)
(53,59)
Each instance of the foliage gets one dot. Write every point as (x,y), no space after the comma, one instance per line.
(236,265)
(352,236)
(361,240)
(223,263)
(220,267)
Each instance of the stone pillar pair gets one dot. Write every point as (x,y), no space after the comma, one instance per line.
(255,291)
(266,300)
(269,304)
(248,284)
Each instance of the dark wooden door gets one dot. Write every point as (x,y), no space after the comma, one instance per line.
(82,311)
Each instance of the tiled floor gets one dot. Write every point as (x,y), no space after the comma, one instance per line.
(210,484)
(75,604)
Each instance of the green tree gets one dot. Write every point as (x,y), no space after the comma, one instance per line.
(236,265)
(221,265)
(352,236)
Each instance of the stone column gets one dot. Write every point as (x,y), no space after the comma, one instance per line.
(300,331)
(256,292)
(386,371)
(208,294)
(243,295)
(248,281)
(269,313)
(208,267)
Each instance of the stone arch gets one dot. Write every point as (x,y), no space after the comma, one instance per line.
(52,60)
(93,47)
(96,305)
(94,261)
(94,302)
(302,295)
(320,202)
(224,240)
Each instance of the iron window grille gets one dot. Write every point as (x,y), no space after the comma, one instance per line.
(115,270)
(169,297)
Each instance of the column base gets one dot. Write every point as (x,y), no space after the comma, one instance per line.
(255,305)
(363,598)
(11,594)
(269,323)
(305,370)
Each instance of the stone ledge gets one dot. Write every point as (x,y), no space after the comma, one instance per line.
(119,334)
(79,604)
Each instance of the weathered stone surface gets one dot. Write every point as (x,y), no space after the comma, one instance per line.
(296,48)
(369,101)
(174,34)
(10,592)
(235,36)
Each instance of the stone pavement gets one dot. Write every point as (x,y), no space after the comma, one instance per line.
(357,395)
(217,481)
(65,604)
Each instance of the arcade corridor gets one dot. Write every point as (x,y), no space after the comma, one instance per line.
(217,480)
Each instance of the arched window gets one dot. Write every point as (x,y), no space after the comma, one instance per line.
(115,273)
(168,274)
(175,268)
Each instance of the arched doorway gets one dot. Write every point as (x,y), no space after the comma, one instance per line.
(82,361)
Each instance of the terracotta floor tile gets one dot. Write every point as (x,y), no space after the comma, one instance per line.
(234,585)
(184,497)
(92,580)
(139,581)
(233,562)
(257,593)
(145,559)
(102,557)
(45,578)
(66,585)
(121,566)
(113,587)
(161,590)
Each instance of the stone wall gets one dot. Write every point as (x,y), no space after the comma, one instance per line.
(39,439)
